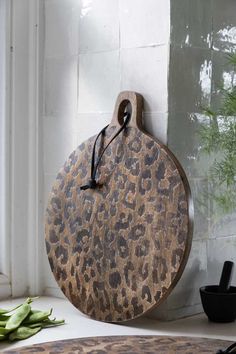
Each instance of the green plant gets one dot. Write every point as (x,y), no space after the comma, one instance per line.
(218,140)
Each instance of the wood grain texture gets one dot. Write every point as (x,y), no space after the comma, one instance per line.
(128,345)
(118,250)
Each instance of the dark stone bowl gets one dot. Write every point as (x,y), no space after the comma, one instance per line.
(219,307)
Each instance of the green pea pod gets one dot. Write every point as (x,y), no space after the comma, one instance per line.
(18,316)
(37,316)
(3,311)
(28,301)
(23,333)
(47,323)
(34,325)
(3,323)
(4,331)
(51,323)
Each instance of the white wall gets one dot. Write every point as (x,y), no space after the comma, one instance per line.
(93,50)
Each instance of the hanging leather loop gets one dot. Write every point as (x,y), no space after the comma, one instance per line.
(92,183)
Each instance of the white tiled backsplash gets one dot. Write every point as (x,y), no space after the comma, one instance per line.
(96,48)
(201,35)
(93,50)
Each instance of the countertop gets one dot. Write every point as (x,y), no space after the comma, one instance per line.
(78,325)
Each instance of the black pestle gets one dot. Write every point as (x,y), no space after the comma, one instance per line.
(226,276)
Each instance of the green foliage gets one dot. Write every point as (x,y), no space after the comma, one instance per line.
(231,58)
(218,139)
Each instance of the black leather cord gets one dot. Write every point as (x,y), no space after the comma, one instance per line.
(230,349)
(92,183)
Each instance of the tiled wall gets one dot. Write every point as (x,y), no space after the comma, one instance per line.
(93,50)
(96,48)
(202,33)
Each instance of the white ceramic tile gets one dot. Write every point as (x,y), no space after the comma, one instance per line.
(99,81)
(60,82)
(186,292)
(58,142)
(54,291)
(191,23)
(99,25)
(224,26)
(200,196)
(144,23)
(90,124)
(48,183)
(61,28)
(187,311)
(190,78)
(156,125)
(220,250)
(223,226)
(183,137)
(164,314)
(144,70)
(48,279)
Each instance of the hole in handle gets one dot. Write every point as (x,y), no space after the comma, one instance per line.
(127,109)
(132,102)
(124,107)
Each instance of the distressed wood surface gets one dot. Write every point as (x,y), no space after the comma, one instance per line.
(118,250)
(128,345)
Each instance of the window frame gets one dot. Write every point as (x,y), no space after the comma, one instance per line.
(24,172)
(5,22)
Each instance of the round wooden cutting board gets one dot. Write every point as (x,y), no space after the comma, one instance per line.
(128,345)
(117,250)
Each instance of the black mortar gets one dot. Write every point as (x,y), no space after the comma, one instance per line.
(219,301)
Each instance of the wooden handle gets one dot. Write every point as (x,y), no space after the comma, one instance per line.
(136,101)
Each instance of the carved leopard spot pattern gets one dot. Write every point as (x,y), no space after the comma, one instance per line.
(131,232)
(127,344)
